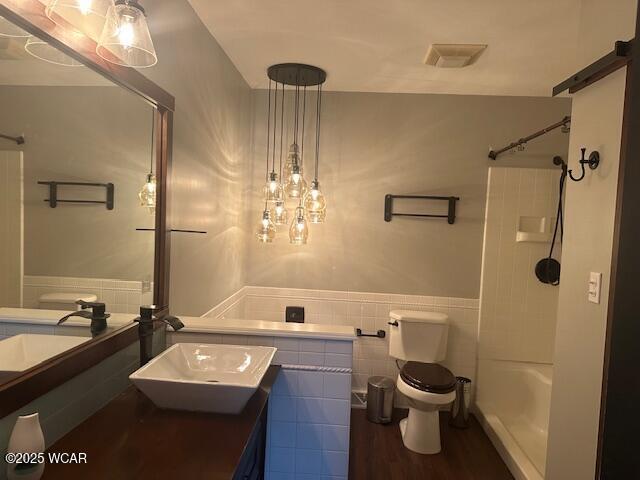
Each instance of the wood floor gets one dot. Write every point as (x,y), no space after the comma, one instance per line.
(377,452)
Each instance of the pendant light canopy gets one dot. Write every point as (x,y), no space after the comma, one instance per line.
(125,39)
(289,183)
(84,16)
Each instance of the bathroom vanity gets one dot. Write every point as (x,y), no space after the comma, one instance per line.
(132,438)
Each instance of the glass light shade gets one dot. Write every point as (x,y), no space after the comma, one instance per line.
(273,190)
(299,230)
(296,185)
(147,194)
(8,29)
(84,16)
(125,39)
(279,213)
(43,51)
(266,231)
(293,158)
(315,204)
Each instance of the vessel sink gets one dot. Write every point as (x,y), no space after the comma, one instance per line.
(204,378)
(21,352)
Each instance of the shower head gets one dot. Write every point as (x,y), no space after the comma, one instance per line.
(557,160)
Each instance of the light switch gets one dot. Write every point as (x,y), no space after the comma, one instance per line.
(595,280)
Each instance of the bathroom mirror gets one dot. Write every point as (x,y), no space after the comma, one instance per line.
(83,150)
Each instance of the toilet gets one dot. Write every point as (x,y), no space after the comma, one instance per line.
(64,301)
(420,339)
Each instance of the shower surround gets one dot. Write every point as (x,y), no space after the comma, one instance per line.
(518,316)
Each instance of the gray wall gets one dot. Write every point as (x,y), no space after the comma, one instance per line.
(211,151)
(82,134)
(374,144)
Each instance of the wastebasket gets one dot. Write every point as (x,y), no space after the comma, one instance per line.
(460,406)
(380,399)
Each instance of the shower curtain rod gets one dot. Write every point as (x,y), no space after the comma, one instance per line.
(19,140)
(493,154)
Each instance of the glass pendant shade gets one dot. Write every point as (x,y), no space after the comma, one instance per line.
(125,39)
(273,190)
(293,158)
(43,51)
(296,185)
(266,231)
(299,230)
(8,29)
(147,194)
(84,16)
(279,213)
(315,204)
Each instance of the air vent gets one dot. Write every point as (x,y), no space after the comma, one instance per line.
(451,55)
(12,49)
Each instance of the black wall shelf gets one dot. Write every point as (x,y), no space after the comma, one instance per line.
(54,200)
(389,213)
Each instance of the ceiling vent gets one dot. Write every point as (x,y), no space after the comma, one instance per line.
(449,55)
(12,49)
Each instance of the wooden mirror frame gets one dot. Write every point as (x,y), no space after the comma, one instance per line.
(36,381)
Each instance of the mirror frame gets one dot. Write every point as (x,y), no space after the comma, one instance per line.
(36,381)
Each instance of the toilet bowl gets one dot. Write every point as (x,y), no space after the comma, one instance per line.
(420,338)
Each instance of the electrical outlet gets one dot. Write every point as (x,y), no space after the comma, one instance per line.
(594,288)
(294,314)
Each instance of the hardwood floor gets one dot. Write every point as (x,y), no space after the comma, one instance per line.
(377,452)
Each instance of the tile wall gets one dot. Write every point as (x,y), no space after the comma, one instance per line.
(368,311)
(309,407)
(518,313)
(119,295)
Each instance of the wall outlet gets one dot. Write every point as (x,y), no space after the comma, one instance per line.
(294,314)
(595,286)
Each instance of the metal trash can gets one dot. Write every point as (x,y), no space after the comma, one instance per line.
(460,406)
(380,399)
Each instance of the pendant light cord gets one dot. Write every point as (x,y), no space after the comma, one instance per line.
(318,110)
(281,130)
(295,125)
(275,124)
(304,114)
(268,129)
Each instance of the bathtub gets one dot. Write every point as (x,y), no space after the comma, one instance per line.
(512,404)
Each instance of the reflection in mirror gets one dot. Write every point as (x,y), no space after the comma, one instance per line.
(70,203)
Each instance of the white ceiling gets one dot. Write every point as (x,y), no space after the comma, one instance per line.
(379,45)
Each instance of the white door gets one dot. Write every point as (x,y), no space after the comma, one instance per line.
(11,229)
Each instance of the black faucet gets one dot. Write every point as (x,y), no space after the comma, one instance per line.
(145,329)
(97,316)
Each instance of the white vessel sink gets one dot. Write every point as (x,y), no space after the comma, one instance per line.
(21,352)
(205,378)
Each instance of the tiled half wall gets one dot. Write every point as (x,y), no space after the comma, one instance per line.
(368,311)
(120,296)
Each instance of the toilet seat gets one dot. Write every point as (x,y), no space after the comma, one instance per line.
(428,377)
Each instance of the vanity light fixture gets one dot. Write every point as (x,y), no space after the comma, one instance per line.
(126,39)
(43,51)
(310,204)
(85,16)
(8,29)
(147,194)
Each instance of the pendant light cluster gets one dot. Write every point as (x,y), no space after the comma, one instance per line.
(118,26)
(287,184)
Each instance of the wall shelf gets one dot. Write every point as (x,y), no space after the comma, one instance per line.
(389,213)
(53,199)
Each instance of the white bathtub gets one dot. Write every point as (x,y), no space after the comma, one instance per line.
(513,400)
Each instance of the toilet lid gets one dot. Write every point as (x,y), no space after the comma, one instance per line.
(428,377)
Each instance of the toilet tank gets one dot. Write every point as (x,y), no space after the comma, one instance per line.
(64,301)
(419,336)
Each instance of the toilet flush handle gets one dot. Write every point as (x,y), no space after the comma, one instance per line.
(393,324)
